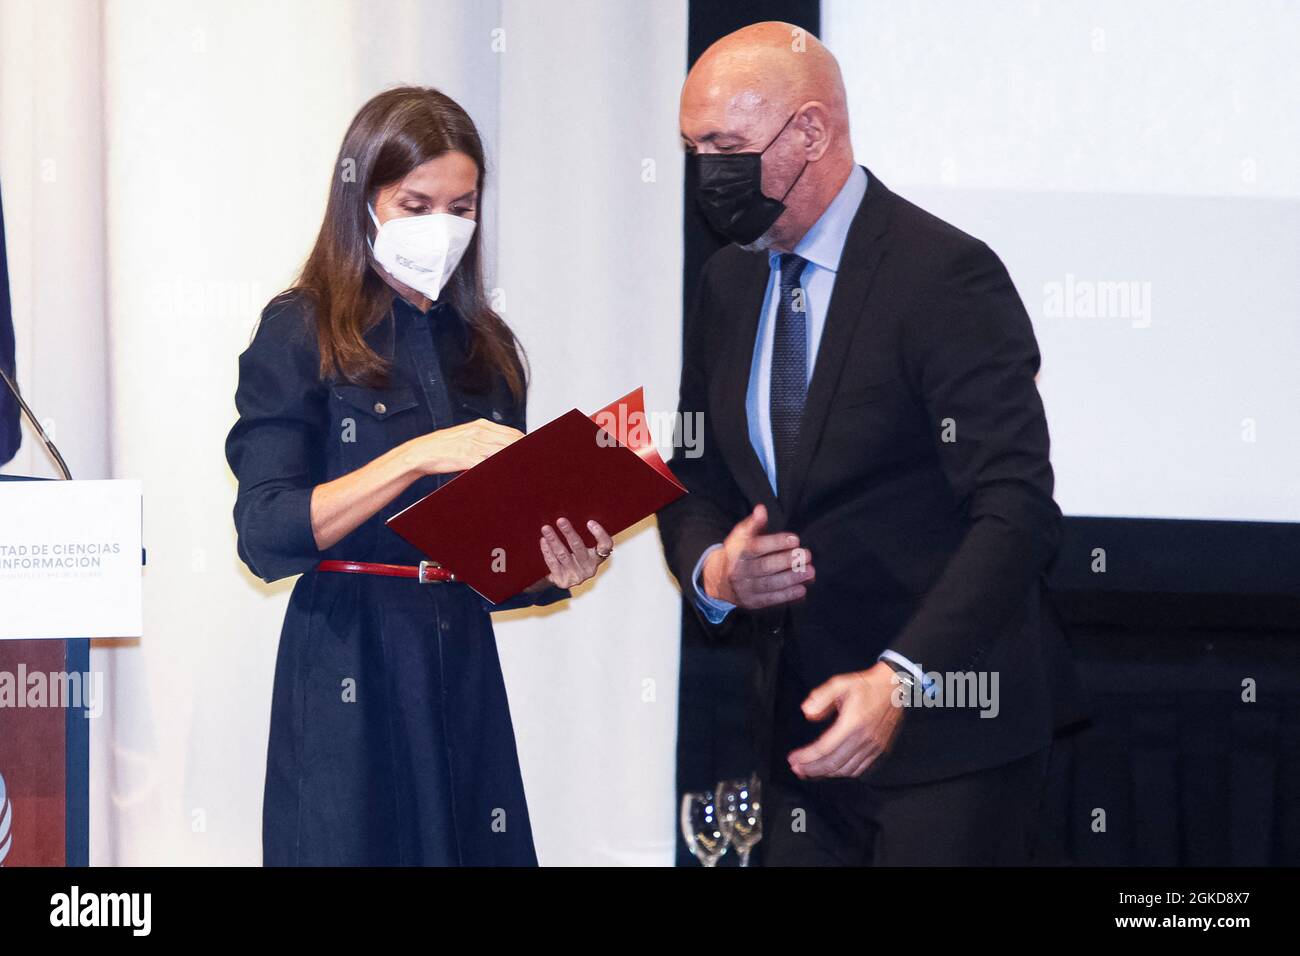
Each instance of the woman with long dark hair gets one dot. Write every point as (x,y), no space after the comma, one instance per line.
(380,374)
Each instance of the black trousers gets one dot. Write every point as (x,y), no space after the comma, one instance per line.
(985,818)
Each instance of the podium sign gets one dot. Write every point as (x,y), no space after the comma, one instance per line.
(70,569)
(70,559)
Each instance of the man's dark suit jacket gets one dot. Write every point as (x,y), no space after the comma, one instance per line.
(934,548)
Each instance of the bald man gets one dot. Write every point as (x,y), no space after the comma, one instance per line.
(872,510)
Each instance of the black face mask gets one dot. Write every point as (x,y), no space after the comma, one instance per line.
(729,189)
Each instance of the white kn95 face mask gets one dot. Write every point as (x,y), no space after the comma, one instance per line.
(422,251)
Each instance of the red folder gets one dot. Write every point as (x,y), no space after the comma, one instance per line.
(484,525)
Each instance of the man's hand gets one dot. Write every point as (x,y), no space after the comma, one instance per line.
(755,570)
(867,721)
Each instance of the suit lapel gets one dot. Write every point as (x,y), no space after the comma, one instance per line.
(728,400)
(862,251)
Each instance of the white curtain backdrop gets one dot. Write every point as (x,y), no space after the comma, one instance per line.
(52,176)
(164,169)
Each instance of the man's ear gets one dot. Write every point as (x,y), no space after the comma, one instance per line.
(814,123)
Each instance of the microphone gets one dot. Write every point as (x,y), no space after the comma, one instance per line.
(31,417)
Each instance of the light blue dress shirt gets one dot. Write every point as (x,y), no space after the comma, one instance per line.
(821,246)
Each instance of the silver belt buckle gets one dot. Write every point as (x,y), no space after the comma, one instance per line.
(424,566)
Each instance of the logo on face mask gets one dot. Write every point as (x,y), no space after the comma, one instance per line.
(729,190)
(422,251)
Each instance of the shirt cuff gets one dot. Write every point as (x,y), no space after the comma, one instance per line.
(713,609)
(276,535)
(925,683)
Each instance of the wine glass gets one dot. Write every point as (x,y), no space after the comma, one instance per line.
(702,828)
(740,807)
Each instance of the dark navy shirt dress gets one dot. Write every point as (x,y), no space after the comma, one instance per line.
(391,741)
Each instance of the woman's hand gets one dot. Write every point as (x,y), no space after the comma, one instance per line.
(460,447)
(570,561)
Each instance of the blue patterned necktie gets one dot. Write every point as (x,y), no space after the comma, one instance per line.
(789,365)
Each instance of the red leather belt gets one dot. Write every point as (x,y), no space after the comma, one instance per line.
(426,572)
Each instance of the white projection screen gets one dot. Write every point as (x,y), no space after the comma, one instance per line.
(1137,168)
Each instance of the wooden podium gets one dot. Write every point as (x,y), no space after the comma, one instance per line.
(70,557)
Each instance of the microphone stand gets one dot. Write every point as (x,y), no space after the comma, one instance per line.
(31,417)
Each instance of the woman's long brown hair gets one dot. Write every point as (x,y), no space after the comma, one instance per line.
(391,135)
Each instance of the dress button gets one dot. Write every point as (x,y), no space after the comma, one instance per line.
(380,408)
(445,625)
(496,415)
